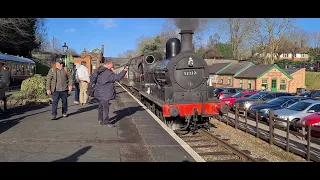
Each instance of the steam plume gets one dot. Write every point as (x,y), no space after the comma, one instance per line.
(187,23)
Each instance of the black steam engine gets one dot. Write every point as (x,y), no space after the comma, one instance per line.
(173,85)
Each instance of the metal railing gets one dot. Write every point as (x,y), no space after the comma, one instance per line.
(295,137)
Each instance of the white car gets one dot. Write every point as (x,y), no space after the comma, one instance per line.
(296,111)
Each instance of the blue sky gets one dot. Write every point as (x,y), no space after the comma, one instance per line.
(119,34)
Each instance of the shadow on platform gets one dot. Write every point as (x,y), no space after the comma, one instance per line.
(84,109)
(75,156)
(120,114)
(21,110)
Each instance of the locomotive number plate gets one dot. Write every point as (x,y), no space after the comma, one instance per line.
(189,73)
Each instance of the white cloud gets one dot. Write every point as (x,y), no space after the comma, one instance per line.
(70,30)
(106,23)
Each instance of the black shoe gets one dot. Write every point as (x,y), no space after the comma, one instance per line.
(53,117)
(64,115)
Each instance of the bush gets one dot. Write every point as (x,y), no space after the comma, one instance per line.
(32,88)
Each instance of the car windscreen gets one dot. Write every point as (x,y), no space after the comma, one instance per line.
(299,106)
(257,96)
(237,95)
(217,91)
(278,101)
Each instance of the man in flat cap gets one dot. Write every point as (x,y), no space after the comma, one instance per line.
(59,82)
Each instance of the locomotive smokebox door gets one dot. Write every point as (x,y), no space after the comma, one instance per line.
(190,62)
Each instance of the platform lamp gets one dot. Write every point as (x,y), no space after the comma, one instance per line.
(65,51)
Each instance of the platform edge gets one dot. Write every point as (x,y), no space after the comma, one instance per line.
(183,144)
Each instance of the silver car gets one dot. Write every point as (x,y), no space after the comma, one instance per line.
(296,111)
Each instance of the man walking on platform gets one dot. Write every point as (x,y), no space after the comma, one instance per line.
(83,78)
(59,81)
(76,85)
(105,89)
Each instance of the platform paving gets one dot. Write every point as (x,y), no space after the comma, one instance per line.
(28,134)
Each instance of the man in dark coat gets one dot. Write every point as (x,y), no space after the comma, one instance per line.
(105,89)
(5,76)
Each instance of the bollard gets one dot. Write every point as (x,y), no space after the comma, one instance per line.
(227,119)
(271,117)
(308,142)
(236,116)
(257,123)
(288,140)
(246,120)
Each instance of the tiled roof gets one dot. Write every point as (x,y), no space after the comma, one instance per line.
(233,68)
(214,68)
(254,71)
(292,70)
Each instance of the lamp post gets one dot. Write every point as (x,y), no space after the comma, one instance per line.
(65,51)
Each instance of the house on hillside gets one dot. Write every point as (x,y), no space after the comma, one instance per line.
(289,51)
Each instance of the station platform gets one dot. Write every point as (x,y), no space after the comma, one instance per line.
(28,134)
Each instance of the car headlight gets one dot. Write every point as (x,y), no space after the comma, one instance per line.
(247,105)
(264,111)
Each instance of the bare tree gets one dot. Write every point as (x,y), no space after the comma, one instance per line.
(19,34)
(315,39)
(239,31)
(128,54)
(269,32)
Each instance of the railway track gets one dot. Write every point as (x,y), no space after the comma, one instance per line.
(211,147)
(214,149)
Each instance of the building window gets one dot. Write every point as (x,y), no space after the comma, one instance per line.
(229,80)
(285,55)
(249,84)
(221,80)
(303,55)
(241,84)
(264,84)
(283,84)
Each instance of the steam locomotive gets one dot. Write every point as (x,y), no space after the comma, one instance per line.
(173,85)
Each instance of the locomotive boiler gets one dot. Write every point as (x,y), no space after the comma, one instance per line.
(174,85)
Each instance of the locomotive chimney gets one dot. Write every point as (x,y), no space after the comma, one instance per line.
(186,40)
(173,47)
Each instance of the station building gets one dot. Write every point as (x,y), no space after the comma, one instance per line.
(247,75)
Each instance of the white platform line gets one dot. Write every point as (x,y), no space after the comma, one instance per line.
(184,145)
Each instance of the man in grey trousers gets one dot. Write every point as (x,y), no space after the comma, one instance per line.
(105,89)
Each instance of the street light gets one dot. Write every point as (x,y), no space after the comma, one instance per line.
(65,48)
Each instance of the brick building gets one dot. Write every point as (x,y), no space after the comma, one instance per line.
(92,58)
(257,77)
(223,74)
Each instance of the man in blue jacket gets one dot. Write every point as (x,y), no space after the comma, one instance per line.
(105,89)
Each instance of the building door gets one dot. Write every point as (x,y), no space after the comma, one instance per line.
(274,85)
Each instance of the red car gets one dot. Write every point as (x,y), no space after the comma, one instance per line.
(233,98)
(314,121)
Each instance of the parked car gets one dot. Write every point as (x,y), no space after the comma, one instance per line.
(312,93)
(297,111)
(314,121)
(225,92)
(258,98)
(274,104)
(233,98)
